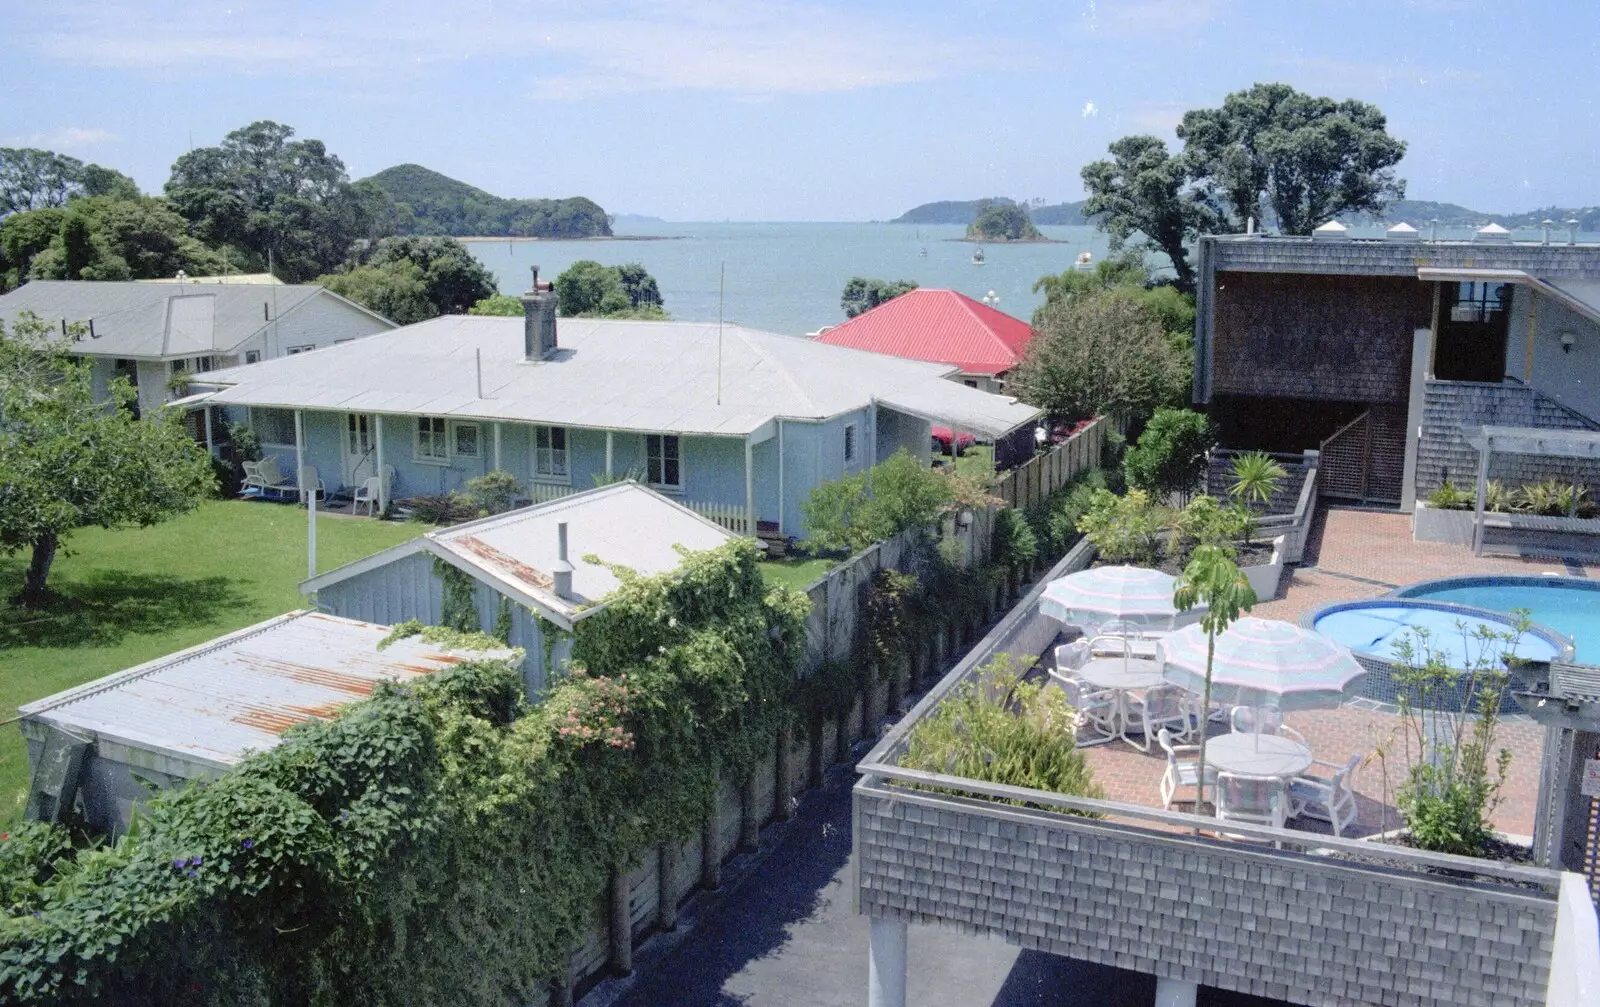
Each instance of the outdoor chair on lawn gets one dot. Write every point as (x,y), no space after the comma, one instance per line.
(1327,800)
(1164,707)
(1096,709)
(1180,772)
(366,493)
(1258,800)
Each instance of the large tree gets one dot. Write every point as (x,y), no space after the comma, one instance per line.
(410,279)
(1142,189)
(628,291)
(863,293)
(1303,158)
(31,179)
(69,459)
(1099,354)
(266,193)
(107,238)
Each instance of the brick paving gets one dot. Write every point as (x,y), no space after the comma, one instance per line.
(1358,553)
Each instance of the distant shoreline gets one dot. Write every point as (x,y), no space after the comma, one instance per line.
(1014,241)
(597,237)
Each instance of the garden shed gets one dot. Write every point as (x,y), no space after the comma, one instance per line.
(543,567)
(193,714)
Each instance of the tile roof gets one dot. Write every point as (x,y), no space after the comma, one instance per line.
(156,320)
(677,377)
(944,326)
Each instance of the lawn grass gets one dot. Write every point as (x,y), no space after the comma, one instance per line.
(129,596)
(977,462)
(798,572)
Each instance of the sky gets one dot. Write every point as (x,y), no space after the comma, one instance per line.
(793,109)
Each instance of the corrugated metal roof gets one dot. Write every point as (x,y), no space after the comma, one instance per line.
(944,326)
(213,703)
(135,319)
(622,524)
(608,374)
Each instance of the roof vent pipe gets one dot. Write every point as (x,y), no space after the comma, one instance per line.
(1545,225)
(1433,229)
(1493,233)
(1572,231)
(563,569)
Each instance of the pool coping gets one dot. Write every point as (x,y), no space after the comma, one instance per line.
(1565,647)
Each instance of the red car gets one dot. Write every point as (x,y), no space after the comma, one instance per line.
(942,437)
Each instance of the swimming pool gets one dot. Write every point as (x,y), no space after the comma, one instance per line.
(1380,626)
(1567,605)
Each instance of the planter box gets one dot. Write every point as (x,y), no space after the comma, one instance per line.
(1430,524)
(1265,577)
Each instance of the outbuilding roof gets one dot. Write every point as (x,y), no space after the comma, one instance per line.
(206,707)
(623,524)
(157,321)
(676,377)
(944,326)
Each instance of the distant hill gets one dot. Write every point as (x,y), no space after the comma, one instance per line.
(427,202)
(1418,212)
(965,211)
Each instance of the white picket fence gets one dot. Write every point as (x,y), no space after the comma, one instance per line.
(730,516)
(541,492)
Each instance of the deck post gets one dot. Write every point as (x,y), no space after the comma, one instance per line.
(621,920)
(383,484)
(782,500)
(749,487)
(300,453)
(1483,489)
(211,447)
(1421,340)
(497,467)
(886,964)
(608,453)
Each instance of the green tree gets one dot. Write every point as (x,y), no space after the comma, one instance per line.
(453,281)
(99,181)
(107,238)
(864,293)
(263,192)
(31,179)
(999,220)
(1099,354)
(849,514)
(1142,189)
(1214,580)
(587,288)
(1170,457)
(396,290)
(497,304)
(1308,159)
(22,237)
(67,460)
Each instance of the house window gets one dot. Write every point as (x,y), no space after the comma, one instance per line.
(358,432)
(273,426)
(850,442)
(300,349)
(970,382)
(466,440)
(662,463)
(431,445)
(252,356)
(550,454)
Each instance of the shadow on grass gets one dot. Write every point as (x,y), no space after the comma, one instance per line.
(103,608)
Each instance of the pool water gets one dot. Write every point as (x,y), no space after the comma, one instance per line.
(1379,627)
(1569,606)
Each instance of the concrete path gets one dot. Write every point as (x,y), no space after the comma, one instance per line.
(782,932)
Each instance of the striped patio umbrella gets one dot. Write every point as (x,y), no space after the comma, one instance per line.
(1264,662)
(1126,594)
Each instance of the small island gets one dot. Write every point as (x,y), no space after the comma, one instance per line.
(1003,221)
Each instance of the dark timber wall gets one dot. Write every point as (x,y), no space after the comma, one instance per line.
(1333,338)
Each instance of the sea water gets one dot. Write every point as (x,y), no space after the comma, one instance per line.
(787,277)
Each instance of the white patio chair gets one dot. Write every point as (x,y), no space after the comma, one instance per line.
(267,478)
(1255,799)
(309,480)
(1118,645)
(1163,707)
(1096,708)
(1180,772)
(1243,719)
(1072,656)
(366,493)
(1327,800)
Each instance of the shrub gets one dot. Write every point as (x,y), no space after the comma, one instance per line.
(1014,543)
(1256,478)
(1170,457)
(1054,520)
(1098,355)
(1551,498)
(1125,529)
(494,492)
(1001,729)
(849,514)
(1206,522)
(442,508)
(1447,497)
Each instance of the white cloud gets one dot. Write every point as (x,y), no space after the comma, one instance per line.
(1089,109)
(67,138)
(576,50)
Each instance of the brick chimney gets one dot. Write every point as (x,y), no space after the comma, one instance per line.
(539,320)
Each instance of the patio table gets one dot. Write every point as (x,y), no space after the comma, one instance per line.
(1258,755)
(1121,676)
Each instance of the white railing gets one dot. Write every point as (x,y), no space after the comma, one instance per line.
(1575,961)
(730,516)
(541,492)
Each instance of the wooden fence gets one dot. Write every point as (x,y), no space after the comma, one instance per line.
(1031,482)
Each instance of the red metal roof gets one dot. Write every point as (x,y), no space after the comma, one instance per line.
(938,325)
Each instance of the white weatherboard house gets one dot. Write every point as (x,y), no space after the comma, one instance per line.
(553,562)
(194,714)
(736,423)
(149,332)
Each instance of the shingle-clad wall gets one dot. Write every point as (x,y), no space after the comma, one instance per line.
(1388,258)
(1332,338)
(1289,926)
(1450,408)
